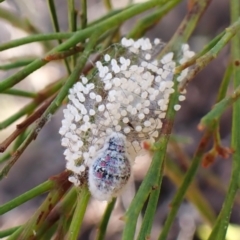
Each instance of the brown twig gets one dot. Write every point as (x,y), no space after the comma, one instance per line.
(23,125)
(89,66)
(62,185)
(64,54)
(36,114)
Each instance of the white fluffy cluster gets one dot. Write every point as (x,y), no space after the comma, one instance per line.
(128,95)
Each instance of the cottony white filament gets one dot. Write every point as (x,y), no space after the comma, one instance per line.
(125,100)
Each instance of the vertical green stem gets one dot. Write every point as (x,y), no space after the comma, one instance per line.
(148,185)
(103,225)
(71,16)
(221,226)
(55,24)
(225,82)
(83,198)
(152,19)
(182,34)
(177,200)
(61,213)
(84,21)
(72,23)
(150,211)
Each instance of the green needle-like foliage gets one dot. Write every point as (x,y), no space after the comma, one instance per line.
(62,213)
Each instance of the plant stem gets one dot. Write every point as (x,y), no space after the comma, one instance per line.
(41,97)
(150,211)
(104,222)
(210,119)
(150,183)
(40,189)
(34,38)
(7,232)
(16,64)
(62,213)
(212,53)
(221,226)
(31,228)
(182,34)
(108,4)
(149,21)
(205,49)
(186,27)
(54,105)
(225,82)
(106,16)
(20,128)
(16,144)
(193,193)
(84,20)
(20,93)
(78,37)
(177,200)
(72,26)
(55,24)
(83,198)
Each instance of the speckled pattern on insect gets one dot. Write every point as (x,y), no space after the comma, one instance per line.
(111,170)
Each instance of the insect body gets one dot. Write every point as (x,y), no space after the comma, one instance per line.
(111,169)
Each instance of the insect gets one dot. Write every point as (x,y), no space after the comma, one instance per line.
(111,169)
